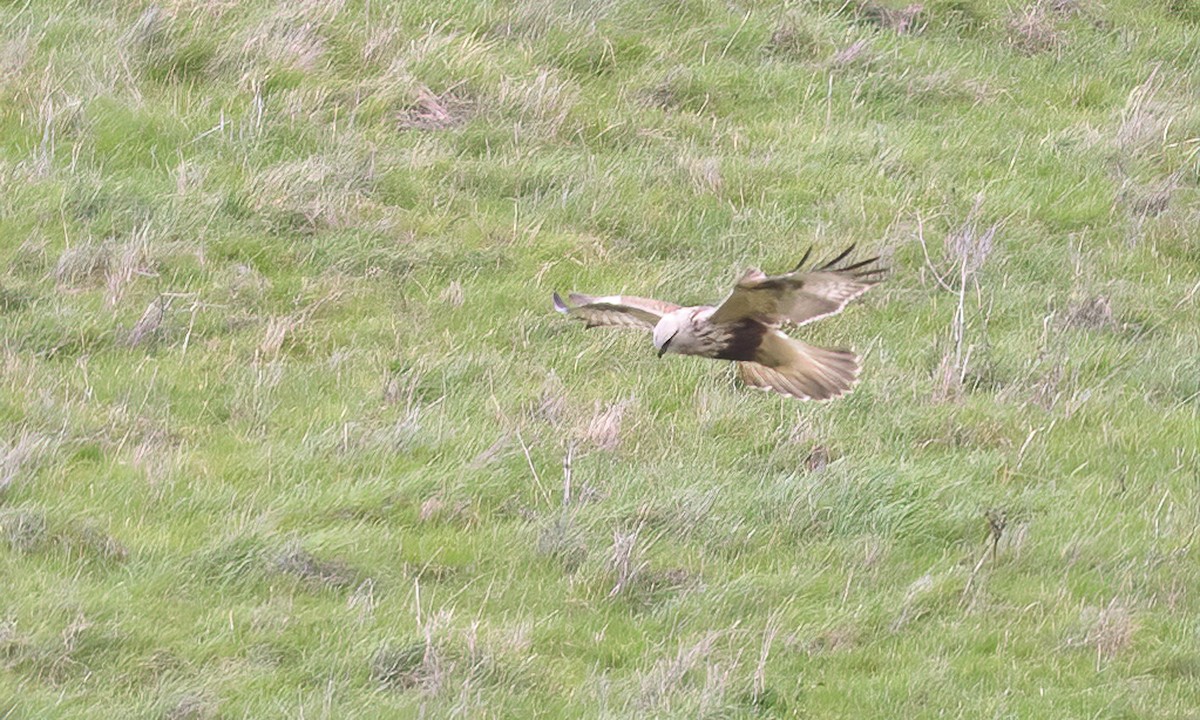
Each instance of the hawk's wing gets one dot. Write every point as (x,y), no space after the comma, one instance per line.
(792,367)
(799,296)
(614,310)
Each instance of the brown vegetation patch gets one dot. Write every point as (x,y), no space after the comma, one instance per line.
(149,328)
(19,457)
(833,640)
(1150,200)
(901,20)
(24,530)
(431,111)
(299,563)
(563,541)
(439,511)
(1034,30)
(604,428)
(859,50)
(192,706)
(1108,630)
(792,39)
(83,264)
(1093,313)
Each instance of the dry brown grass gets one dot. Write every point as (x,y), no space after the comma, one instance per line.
(603,429)
(695,680)
(625,560)
(907,19)
(149,326)
(20,455)
(856,52)
(431,111)
(968,248)
(298,562)
(1034,29)
(1108,630)
(541,103)
(1092,313)
(85,264)
(795,39)
(705,174)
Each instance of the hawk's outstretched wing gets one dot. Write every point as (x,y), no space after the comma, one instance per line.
(791,367)
(800,296)
(614,310)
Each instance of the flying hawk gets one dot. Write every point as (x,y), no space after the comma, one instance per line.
(746,326)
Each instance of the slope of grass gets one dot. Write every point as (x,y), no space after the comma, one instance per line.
(287,427)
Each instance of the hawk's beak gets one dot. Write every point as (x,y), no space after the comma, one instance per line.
(662,350)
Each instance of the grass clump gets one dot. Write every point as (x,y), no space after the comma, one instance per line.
(288,426)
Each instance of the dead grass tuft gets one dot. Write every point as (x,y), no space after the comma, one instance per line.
(793,39)
(431,111)
(193,706)
(604,427)
(908,19)
(705,174)
(443,661)
(625,560)
(317,193)
(15,54)
(20,456)
(855,52)
(1148,116)
(149,328)
(1093,313)
(542,103)
(1034,29)
(290,40)
(1108,630)
(968,247)
(299,563)
(453,294)
(408,666)
(130,260)
(24,530)
(693,679)
(1149,200)
(280,328)
(84,264)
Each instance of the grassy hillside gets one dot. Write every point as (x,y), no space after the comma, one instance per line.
(289,429)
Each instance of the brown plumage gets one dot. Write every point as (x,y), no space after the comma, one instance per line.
(746,326)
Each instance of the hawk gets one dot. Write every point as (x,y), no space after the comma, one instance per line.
(747,326)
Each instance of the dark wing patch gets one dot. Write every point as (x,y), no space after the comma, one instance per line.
(742,340)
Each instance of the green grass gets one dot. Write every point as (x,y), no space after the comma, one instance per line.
(284,408)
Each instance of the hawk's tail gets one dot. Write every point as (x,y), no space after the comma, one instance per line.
(791,367)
